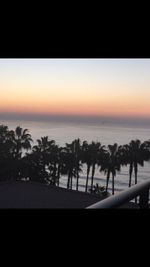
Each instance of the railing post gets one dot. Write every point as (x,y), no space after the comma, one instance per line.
(144,198)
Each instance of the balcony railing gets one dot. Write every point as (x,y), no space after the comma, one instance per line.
(116,201)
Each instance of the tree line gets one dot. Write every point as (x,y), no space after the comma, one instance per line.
(47,162)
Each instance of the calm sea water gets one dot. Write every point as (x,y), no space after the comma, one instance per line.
(66,132)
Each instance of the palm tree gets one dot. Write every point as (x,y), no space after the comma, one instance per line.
(111,164)
(77,152)
(61,163)
(55,164)
(96,150)
(146,150)
(135,154)
(33,167)
(3,132)
(69,168)
(44,143)
(73,163)
(5,150)
(43,153)
(86,158)
(21,139)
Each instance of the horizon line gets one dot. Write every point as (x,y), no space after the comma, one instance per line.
(23,115)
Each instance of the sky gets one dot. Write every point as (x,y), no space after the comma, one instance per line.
(80,87)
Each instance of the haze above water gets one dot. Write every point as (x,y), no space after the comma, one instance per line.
(65,129)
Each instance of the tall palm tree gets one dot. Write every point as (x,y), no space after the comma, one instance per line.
(55,164)
(61,163)
(135,154)
(73,153)
(21,140)
(86,158)
(111,164)
(96,150)
(43,152)
(77,152)
(70,168)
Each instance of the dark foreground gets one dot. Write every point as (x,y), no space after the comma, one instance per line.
(33,195)
(26,195)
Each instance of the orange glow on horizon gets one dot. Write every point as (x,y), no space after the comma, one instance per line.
(62,104)
(89,88)
(80,109)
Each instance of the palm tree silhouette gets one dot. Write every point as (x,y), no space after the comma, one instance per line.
(47,161)
(72,161)
(86,158)
(134,155)
(5,153)
(60,162)
(96,150)
(111,164)
(69,167)
(55,164)
(43,153)
(20,139)
(77,153)
(146,150)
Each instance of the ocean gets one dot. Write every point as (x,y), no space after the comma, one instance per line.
(65,132)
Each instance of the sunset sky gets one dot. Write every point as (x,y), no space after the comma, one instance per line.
(101,87)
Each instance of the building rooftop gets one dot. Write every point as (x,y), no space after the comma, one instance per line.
(28,195)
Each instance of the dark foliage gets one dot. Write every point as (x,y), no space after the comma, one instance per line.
(46,162)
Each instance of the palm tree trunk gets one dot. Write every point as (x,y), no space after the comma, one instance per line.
(92,177)
(113,184)
(107,181)
(68,182)
(130,174)
(77,184)
(135,170)
(71,182)
(77,172)
(58,175)
(54,174)
(87,178)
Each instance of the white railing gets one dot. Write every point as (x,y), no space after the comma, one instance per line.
(116,201)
